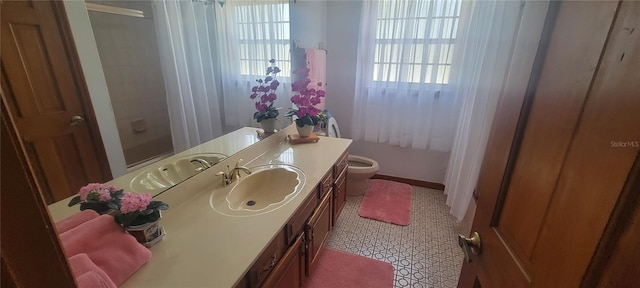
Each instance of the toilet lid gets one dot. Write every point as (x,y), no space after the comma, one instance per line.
(334,131)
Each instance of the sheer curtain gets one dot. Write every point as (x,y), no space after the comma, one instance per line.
(490,33)
(185,45)
(249,33)
(403,95)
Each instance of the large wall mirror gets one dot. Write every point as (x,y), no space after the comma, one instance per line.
(135,41)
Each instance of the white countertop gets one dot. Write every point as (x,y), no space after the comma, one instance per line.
(203,248)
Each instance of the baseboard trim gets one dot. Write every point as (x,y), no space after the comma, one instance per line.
(412,182)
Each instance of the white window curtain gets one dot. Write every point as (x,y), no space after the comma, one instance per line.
(250,33)
(185,45)
(490,29)
(403,95)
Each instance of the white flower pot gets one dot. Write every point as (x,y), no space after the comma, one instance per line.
(268,125)
(147,234)
(305,130)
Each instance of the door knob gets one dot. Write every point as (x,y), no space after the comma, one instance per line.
(75,120)
(471,245)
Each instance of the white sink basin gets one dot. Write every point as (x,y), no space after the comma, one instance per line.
(164,175)
(267,188)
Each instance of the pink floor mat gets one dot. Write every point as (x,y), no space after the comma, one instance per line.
(387,201)
(336,269)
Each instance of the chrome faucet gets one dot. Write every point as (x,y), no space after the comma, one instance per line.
(233,174)
(204,163)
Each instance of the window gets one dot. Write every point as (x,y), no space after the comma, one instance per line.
(414,40)
(263,34)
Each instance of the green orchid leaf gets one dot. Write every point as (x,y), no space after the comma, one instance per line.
(126,219)
(290,113)
(158,205)
(146,212)
(75,200)
(307,120)
(117,194)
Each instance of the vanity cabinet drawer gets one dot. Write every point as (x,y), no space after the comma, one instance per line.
(267,261)
(300,217)
(326,184)
(341,165)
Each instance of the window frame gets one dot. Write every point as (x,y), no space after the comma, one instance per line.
(382,63)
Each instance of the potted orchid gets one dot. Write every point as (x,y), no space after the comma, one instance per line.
(265,94)
(305,99)
(139,215)
(99,197)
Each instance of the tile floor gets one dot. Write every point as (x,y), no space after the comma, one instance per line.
(424,254)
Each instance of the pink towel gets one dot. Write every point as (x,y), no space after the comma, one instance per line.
(93,280)
(87,274)
(117,253)
(74,220)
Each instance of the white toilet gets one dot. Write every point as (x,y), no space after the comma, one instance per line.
(360,168)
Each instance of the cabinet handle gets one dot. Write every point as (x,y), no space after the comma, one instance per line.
(273,263)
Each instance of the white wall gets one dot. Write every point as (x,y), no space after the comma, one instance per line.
(342,25)
(94,76)
(308,23)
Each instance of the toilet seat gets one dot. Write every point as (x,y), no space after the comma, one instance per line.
(332,128)
(370,166)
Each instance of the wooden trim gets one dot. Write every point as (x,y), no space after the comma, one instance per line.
(83,89)
(613,263)
(412,182)
(31,252)
(114,10)
(527,104)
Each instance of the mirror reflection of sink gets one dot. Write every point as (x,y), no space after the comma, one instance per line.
(269,187)
(162,176)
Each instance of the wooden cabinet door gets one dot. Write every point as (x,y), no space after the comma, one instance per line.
(47,98)
(268,260)
(317,231)
(289,273)
(548,185)
(339,195)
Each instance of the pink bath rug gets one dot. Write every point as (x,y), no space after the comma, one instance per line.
(387,201)
(336,269)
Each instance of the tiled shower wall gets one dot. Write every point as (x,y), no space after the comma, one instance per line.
(129,54)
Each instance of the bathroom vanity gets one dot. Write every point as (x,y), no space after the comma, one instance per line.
(274,247)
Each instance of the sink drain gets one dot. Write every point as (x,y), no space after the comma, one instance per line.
(251,203)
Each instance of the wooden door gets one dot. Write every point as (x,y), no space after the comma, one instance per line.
(549,184)
(47,98)
(31,255)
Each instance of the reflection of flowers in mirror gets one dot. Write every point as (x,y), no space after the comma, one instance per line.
(323,117)
(99,197)
(264,91)
(305,99)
